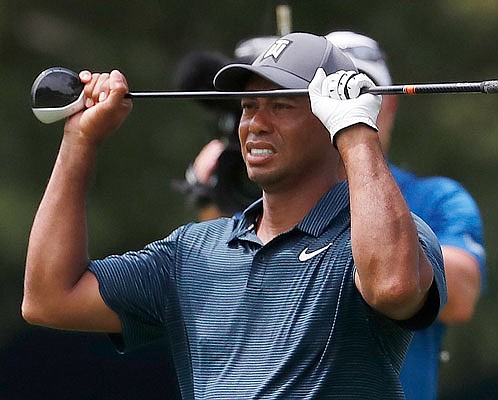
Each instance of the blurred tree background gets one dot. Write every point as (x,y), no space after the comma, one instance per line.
(132,202)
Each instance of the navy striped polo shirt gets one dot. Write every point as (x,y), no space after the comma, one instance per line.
(277,321)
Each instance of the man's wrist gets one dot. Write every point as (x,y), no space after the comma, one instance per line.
(354,135)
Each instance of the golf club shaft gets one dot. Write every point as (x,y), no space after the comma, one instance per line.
(434,88)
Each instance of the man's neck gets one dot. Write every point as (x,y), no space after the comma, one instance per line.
(284,210)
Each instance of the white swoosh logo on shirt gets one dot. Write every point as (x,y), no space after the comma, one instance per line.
(305,256)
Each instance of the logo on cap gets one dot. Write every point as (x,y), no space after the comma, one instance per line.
(277,48)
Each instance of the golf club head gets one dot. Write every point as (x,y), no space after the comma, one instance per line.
(57,93)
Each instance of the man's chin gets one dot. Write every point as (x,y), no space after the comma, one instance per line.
(266,181)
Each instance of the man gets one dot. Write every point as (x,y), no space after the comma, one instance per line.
(310,294)
(451,213)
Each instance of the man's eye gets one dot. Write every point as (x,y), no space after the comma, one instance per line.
(246,106)
(282,106)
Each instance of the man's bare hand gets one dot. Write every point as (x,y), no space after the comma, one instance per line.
(106,107)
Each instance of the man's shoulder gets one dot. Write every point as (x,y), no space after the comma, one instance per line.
(212,226)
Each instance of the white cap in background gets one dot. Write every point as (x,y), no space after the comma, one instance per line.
(365,53)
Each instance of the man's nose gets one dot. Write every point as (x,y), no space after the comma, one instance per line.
(261,121)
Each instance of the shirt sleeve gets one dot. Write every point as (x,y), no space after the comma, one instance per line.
(139,286)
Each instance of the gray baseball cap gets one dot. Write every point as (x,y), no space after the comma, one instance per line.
(290,61)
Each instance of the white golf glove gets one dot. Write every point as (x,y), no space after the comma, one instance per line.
(336,100)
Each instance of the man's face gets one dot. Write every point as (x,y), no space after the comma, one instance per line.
(282,142)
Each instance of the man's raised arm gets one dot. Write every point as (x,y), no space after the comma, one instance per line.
(59,291)
(393,273)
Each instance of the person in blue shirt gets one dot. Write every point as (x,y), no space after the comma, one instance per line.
(312,293)
(448,209)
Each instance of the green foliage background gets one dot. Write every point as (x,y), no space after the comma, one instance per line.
(132,201)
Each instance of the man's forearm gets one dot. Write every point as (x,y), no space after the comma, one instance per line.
(393,272)
(463,279)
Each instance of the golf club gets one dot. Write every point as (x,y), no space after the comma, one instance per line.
(57,93)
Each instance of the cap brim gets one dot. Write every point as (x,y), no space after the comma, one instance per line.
(234,77)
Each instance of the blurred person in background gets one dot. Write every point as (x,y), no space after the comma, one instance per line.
(448,209)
